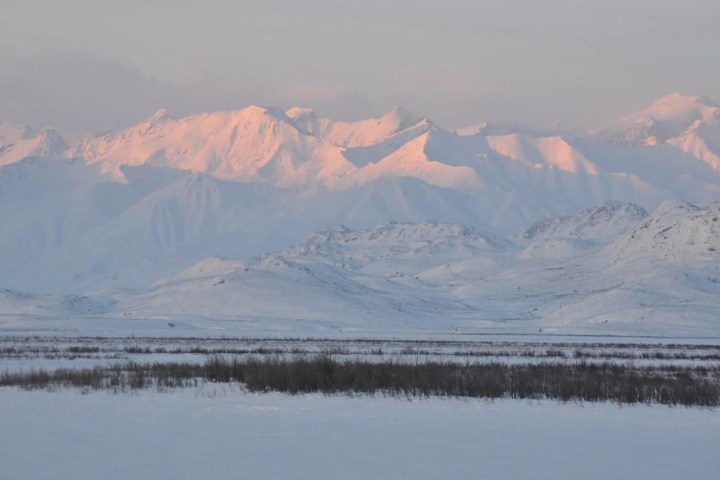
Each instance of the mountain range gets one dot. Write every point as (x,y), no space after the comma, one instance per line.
(289,218)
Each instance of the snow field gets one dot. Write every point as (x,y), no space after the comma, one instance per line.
(224,433)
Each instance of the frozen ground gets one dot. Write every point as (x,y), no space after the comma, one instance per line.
(225,433)
(22,353)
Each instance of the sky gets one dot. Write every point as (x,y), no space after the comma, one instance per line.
(87,66)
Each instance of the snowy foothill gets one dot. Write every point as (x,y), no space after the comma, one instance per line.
(612,269)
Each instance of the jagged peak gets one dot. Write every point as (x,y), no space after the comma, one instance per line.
(400,111)
(52,142)
(297,113)
(272,111)
(308,121)
(161,115)
(401,117)
(487,129)
(472,130)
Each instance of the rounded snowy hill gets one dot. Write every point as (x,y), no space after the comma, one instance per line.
(604,222)
(397,241)
(677,232)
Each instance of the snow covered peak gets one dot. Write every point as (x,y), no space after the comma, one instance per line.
(496,129)
(21,141)
(685,109)
(259,144)
(359,133)
(263,111)
(49,142)
(308,121)
(543,152)
(665,119)
(160,116)
(397,125)
(300,113)
(400,118)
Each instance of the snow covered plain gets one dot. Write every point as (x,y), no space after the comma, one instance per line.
(221,432)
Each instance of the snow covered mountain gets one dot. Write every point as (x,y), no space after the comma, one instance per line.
(253,144)
(690,124)
(176,216)
(396,127)
(298,149)
(665,119)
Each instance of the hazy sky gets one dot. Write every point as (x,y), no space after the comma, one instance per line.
(91,65)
